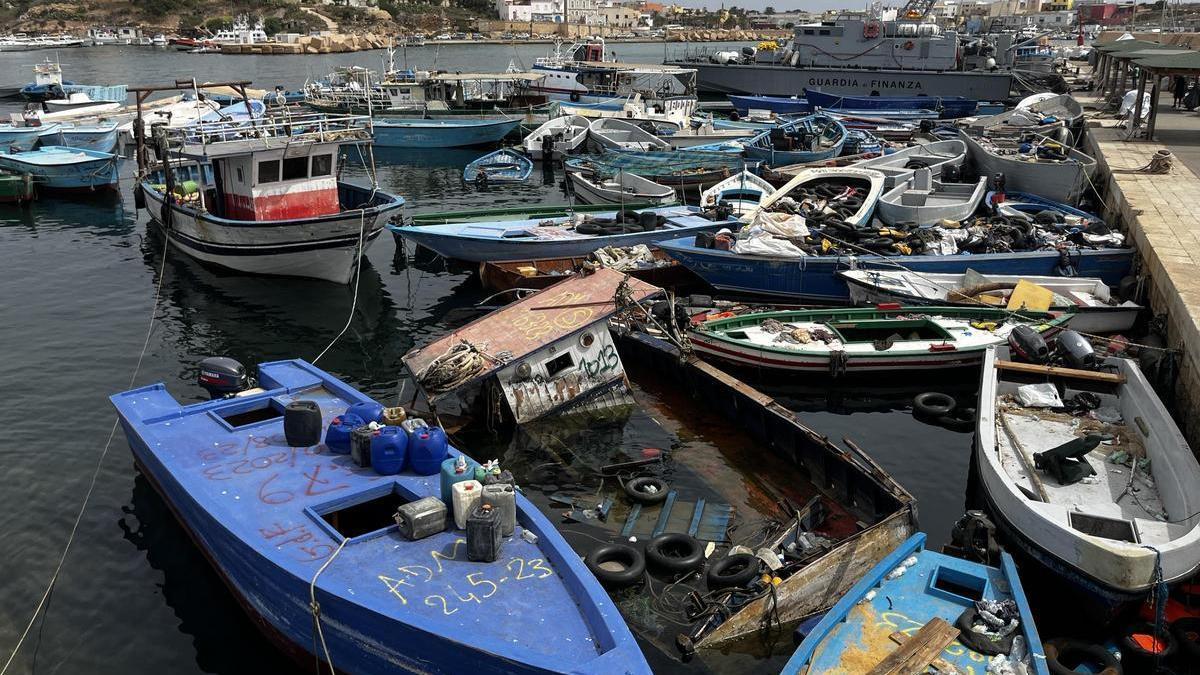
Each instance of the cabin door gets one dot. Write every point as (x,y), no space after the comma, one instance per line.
(216,205)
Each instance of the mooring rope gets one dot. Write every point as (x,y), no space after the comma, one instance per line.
(1160,162)
(316,610)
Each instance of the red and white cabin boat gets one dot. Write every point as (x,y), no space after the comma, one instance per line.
(263,197)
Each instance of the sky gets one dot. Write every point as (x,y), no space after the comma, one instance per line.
(779,5)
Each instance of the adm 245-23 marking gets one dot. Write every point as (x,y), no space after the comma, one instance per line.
(519,569)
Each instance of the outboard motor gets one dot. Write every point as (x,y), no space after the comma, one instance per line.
(1076,351)
(1027,345)
(951,174)
(222,377)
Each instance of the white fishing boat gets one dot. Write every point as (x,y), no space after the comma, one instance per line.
(615,134)
(1041,166)
(839,341)
(270,203)
(853,190)
(921,200)
(899,166)
(1114,512)
(1037,112)
(1095,308)
(743,193)
(621,187)
(706,134)
(567,134)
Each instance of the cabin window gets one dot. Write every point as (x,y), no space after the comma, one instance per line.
(295,168)
(240,177)
(558,364)
(268,171)
(322,165)
(809,32)
(823,32)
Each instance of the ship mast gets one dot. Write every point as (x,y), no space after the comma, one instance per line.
(915,10)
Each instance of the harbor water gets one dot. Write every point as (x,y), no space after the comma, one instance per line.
(80,280)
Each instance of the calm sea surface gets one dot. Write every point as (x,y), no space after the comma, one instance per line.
(77,282)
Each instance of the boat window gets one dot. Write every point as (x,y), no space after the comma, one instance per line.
(883,329)
(558,364)
(823,32)
(240,178)
(268,171)
(1108,528)
(322,165)
(295,168)
(366,516)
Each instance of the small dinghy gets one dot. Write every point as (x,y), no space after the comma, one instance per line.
(564,134)
(1027,206)
(899,166)
(621,187)
(925,201)
(850,193)
(919,600)
(65,170)
(705,135)
(808,139)
(609,133)
(743,193)
(501,166)
(22,138)
(1095,309)
(677,168)
(640,262)
(1099,485)
(100,136)
(839,341)
(440,133)
(1041,112)
(293,520)
(1039,165)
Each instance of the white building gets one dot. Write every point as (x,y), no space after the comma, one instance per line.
(530,10)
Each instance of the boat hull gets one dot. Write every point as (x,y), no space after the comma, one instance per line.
(76,178)
(591,193)
(442,135)
(318,248)
(772,80)
(1060,182)
(815,278)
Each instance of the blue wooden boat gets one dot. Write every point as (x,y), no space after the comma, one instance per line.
(570,236)
(15,138)
(270,517)
(102,137)
(909,588)
(56,168)
(441,133)
(949,107)
(780,105)
(1032,204)
(501,166)
(815,278)
(809,139)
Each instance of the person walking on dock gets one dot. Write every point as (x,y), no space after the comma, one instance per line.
(1179,87)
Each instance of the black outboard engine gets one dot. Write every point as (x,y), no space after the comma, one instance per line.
(951,174)
(1076,351)
(1027,345)
(222,377)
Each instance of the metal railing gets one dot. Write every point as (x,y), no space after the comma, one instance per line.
(272,131)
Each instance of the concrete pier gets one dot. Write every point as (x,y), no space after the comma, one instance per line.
(1161,213)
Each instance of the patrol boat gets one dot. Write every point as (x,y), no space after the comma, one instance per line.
(853,55)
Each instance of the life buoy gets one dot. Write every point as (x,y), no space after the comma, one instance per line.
(909,45)
(871,30)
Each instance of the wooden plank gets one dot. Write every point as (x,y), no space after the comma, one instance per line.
(665,514)
(696,514)
(631,520)
(943,666)
(1026,460)
(919,651)
(1058,371)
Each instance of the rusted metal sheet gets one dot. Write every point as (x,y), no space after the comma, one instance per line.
(536,321)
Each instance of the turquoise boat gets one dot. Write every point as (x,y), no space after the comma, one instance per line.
(441,133)
(16,138)
(908,590)
(808,139)
(102,137)
(60,169)
(501,166)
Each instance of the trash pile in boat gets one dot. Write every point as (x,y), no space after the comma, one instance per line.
(817,219)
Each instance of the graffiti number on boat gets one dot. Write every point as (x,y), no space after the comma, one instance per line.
(605,361)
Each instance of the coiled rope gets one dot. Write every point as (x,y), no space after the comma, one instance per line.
(1160,163)
(457,365)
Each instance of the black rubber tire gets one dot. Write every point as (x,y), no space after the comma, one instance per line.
(674,552)
(1137,658)
(961,425)
(1060,650)
(588,228)
(732,571)
(634,489)
(1186,632)
(933,404)
(630,557)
